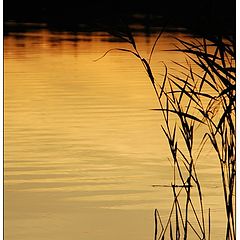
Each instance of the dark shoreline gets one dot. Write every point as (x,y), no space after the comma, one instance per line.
(198,17)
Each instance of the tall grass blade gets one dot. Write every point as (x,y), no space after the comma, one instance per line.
(117,49)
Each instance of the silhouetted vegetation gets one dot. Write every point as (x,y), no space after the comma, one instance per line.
(184,97)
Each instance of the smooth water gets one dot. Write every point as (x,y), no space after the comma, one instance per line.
(82,147)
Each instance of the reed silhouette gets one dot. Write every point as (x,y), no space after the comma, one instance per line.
(215,113)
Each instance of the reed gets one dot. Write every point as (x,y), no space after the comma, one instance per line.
(216,58)
(214,112)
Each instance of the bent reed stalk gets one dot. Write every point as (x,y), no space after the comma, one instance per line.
(214,112)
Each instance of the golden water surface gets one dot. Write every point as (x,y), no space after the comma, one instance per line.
(82,147)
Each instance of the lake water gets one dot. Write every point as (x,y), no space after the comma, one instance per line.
(82,147)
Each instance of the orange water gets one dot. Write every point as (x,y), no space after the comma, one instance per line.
(82,148)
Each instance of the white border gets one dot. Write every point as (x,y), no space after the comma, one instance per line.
(1,123)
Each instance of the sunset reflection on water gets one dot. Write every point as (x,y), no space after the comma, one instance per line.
(82,147)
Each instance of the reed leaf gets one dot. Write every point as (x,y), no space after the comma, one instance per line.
(179,113)
(118,49)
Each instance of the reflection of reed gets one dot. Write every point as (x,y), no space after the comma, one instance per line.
(184,96)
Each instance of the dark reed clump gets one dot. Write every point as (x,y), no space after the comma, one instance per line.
(217,59)
(185,98)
